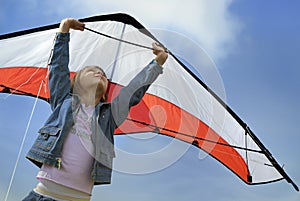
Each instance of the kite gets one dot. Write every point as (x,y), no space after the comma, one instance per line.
(179,104)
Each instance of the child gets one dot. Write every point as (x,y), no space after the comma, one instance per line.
(75,147)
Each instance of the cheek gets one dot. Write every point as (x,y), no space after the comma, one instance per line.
(82,78)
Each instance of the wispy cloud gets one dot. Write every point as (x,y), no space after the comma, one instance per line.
(210,23)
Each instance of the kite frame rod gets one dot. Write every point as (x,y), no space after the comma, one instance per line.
(271,158)
(265,151)
(20,92)
(193,137)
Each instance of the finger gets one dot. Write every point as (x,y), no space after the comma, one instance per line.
(75,24)
(81,26)
(155,45)
(157,48)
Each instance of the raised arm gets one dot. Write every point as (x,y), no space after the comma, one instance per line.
(132,94)
(59,75)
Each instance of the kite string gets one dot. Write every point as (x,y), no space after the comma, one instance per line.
(43,83)
(23,142)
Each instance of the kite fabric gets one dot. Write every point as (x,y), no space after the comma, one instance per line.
(178,104)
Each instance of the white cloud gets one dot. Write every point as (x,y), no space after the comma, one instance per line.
(207,22)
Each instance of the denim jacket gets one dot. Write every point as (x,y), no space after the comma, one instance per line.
(47,147)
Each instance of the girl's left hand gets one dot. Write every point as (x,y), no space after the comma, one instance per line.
(161,54)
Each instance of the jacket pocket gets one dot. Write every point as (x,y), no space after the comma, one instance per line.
(47,138)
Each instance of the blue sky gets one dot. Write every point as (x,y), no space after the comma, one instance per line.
(255,45)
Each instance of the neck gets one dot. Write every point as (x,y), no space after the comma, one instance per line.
(87,101)
(89,98)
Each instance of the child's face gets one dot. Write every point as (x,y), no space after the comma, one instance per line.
(91,78)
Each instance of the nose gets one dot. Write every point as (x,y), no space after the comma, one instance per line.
(100,74)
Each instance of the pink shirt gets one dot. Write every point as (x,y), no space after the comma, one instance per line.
(77,156)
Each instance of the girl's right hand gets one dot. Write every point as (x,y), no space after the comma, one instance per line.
(70,23)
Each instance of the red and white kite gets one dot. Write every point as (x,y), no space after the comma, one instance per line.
(169,107)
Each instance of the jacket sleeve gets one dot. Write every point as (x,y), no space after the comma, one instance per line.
(132,94)
(59,75)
